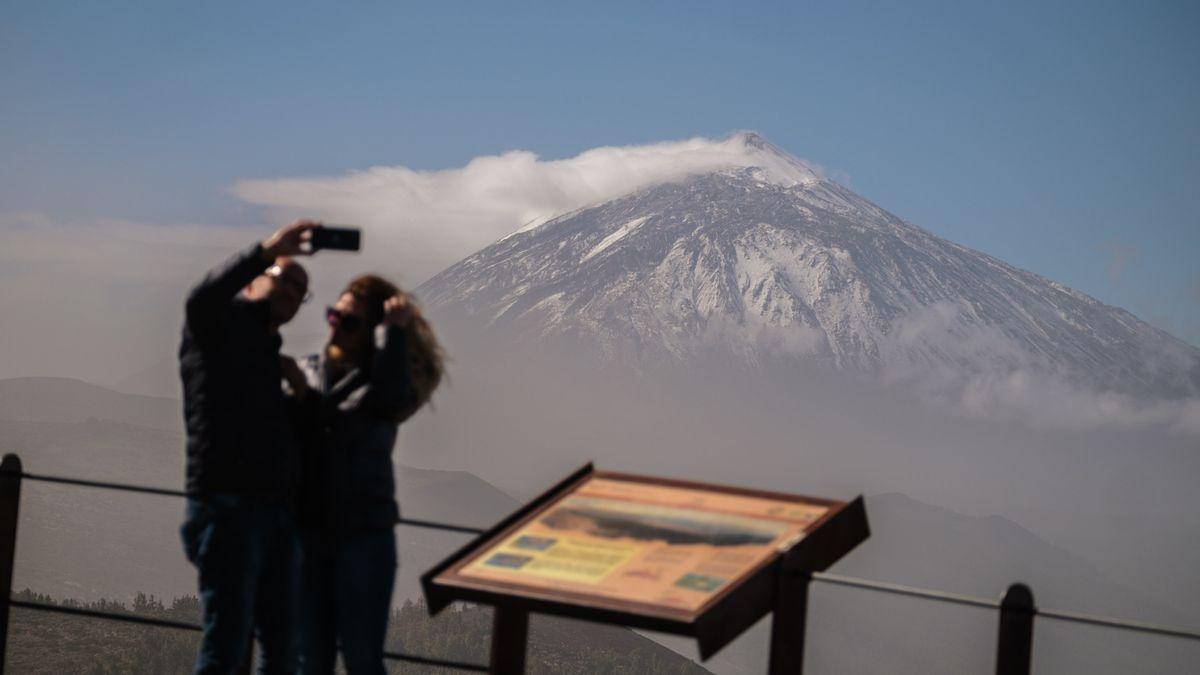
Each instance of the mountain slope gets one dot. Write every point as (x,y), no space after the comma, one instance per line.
(771,263)
(60,399)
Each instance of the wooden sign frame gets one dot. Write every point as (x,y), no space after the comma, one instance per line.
(733,609)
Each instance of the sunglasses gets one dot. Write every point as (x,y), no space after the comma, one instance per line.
(347,322)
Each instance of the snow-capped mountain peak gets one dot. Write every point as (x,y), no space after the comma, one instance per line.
(772,164)
(764,260)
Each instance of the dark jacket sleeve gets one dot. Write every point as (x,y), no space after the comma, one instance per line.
(208,300)
(392,392)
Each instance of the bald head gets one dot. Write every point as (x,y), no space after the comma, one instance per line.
(284,286)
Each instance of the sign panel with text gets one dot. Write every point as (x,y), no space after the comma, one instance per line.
(641,551)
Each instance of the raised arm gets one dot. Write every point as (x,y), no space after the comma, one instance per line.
(392,389)
(209,298)
(392,392)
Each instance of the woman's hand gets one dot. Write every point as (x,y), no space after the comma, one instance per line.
(293,375)
(397,311)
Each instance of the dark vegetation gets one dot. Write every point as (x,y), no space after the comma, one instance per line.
(44,642)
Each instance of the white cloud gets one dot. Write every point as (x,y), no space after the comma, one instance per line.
(1046,401)
(418,222)
(996,378)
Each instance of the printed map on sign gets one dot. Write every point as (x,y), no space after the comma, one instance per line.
(648,543)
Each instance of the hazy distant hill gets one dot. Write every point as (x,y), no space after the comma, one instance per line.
(59,399)
(161,378)
(928,546)
(91,544)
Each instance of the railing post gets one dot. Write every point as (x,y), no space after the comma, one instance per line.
(1014,649)
(10,504)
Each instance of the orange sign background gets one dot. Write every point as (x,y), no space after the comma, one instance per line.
(669,546)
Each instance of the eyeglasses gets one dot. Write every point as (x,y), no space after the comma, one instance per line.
(276,272)
(347,322)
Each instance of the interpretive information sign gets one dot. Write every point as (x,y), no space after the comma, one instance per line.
(661,554)
(645,543)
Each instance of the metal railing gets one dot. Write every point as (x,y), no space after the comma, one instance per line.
(11,476)
(1016,608)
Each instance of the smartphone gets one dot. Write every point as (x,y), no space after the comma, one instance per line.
(336,238)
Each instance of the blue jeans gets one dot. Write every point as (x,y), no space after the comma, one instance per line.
(347,598)
(247,554)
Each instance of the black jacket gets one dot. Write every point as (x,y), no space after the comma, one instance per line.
(349,429)
(240,439)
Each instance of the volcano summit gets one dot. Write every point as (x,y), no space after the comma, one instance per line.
(766,261)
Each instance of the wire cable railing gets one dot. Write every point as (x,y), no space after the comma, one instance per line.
(973,601)
(167,492)
(11,473)
(6,565)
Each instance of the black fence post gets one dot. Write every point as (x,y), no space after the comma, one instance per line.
(10,504)
(1014,649)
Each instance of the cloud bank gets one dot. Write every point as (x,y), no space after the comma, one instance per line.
(417,223)
(999,379)
(98,299)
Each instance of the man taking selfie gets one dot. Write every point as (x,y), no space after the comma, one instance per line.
(239,530)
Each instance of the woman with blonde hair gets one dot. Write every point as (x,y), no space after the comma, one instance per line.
(380,364)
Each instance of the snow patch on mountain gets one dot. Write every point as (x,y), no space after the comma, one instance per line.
(614,237)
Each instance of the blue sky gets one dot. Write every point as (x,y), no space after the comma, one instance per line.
(1064,139)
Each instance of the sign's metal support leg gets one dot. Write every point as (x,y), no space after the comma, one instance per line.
(510,635)
(788,622)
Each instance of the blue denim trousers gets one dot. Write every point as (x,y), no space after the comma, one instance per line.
(347,598)
(247,554)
